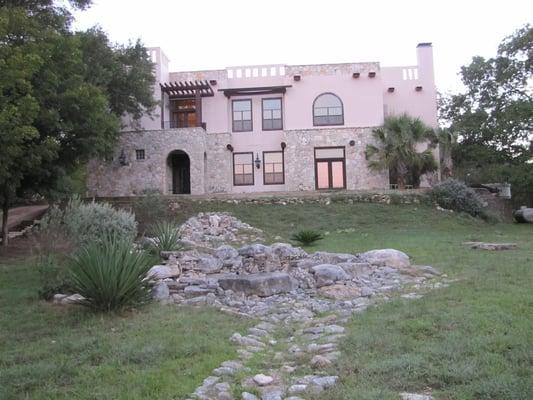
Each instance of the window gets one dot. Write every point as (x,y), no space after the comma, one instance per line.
(183,113)
(272,115)
(139,154)
(328,110)
(243,169)
(242,115)
(273,169)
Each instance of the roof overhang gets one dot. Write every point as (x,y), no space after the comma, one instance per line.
(187,89)
(248,91)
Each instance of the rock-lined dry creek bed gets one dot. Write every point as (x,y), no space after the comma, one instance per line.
(301,302)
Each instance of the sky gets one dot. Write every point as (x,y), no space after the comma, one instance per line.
(215,34)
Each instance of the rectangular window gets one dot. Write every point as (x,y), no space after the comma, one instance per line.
(242,115)
(273,168)
(243,169)
(139,154)
(272,114)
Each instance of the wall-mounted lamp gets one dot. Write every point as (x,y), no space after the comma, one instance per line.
(257,161)
(371,74)
(122,158)
(352,142)
(390,90)
(213,82)
(356,75)
(418,88)
(283,145)
(229,147)
(297,78)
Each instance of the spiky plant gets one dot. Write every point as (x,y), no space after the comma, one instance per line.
(307,237)
(165,237)
(111,275)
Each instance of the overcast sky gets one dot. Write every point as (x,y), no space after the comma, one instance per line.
(211,34)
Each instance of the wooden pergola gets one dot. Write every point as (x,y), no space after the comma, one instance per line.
(186,90)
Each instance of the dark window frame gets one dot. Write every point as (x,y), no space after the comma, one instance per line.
(251,116)
(282,164)
(329,160)
(271,119)
(253,172)
(139,153)
(328,124)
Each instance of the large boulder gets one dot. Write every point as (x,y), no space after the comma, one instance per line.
(263,285)
(386,257)
(158,272)
(333,258)
(226,252)
(328,274)
(160,291)
(340,292)
(209,265)
(286,251)
(255,250)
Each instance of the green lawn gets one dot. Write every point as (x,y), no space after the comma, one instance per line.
(472,340)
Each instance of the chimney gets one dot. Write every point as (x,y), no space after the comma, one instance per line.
(424,56)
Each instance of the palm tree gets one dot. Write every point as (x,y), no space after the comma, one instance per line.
(396,148)
(446,141)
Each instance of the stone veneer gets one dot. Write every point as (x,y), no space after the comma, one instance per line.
(211,162)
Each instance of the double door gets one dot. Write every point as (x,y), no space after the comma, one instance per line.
(330,168)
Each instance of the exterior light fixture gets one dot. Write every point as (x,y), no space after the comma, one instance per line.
(297,78)
(122,158)
(229,147)
(418,88)
(390,90)
(283,145)
(356,75)
(213,82)
(352,142)
(257,161)
(371,74)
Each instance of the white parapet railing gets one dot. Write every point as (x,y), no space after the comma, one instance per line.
(256,71)
(410,73)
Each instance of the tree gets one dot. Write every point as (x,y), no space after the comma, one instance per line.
(493,117)
(62,95)
(396,149)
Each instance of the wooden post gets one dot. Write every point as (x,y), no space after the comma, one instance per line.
(198,107)
(162,109)
(5,229)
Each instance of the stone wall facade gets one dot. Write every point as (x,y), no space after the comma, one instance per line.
(211,165)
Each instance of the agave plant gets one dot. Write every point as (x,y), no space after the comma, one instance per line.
(165,237)
(110,275)
(307,237)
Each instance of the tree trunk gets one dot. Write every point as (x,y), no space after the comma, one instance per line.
(401,171)
(5,231)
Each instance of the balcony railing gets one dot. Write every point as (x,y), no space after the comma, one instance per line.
(176,125)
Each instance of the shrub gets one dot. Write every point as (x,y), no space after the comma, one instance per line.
(150,208)
(53,277)
(110,275)
(165,237)
(307,237)
(455,195)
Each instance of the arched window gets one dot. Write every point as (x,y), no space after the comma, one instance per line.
(328,110)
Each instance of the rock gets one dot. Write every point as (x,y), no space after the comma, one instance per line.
(214,220)
(523,215)
(159,272)
(491,246)
(414,396)
(272,394)
(320,362)
(340,292)
(58,297)
(334,258)
(195,291)
(356,269)
(246,341)
(263,380)
(386,257)
(298,388)
(248,396)
(160,291)
(209,265)
(72,299)
(319,383)
(327,274)
(262,284)
(226,252)
(254,250)
(286,251)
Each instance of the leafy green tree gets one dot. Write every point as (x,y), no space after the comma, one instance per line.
(396,149)
(62,95)
(493,117)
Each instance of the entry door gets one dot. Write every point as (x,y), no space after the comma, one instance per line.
(329,168)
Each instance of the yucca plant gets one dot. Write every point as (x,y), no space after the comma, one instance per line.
(307,237)
(165,237)
(111,275)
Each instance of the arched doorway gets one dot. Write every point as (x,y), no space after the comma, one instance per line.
(179,166)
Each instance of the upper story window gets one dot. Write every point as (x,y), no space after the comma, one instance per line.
(328,110)
(272,114)
(183,113)
(242,115)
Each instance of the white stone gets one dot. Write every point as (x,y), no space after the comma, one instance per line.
(263,380)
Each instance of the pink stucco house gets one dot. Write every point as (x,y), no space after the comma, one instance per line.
(264,128)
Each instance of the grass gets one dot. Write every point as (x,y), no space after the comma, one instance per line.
(53,352)
(471,340)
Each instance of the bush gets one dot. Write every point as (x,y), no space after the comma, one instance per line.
(53,278)
(307,237)
(110,275)
(455,195)
(165,237)
(150,208)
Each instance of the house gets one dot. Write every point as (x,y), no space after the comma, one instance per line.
(264,128)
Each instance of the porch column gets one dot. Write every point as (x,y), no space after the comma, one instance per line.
(198,104)
(162,109)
